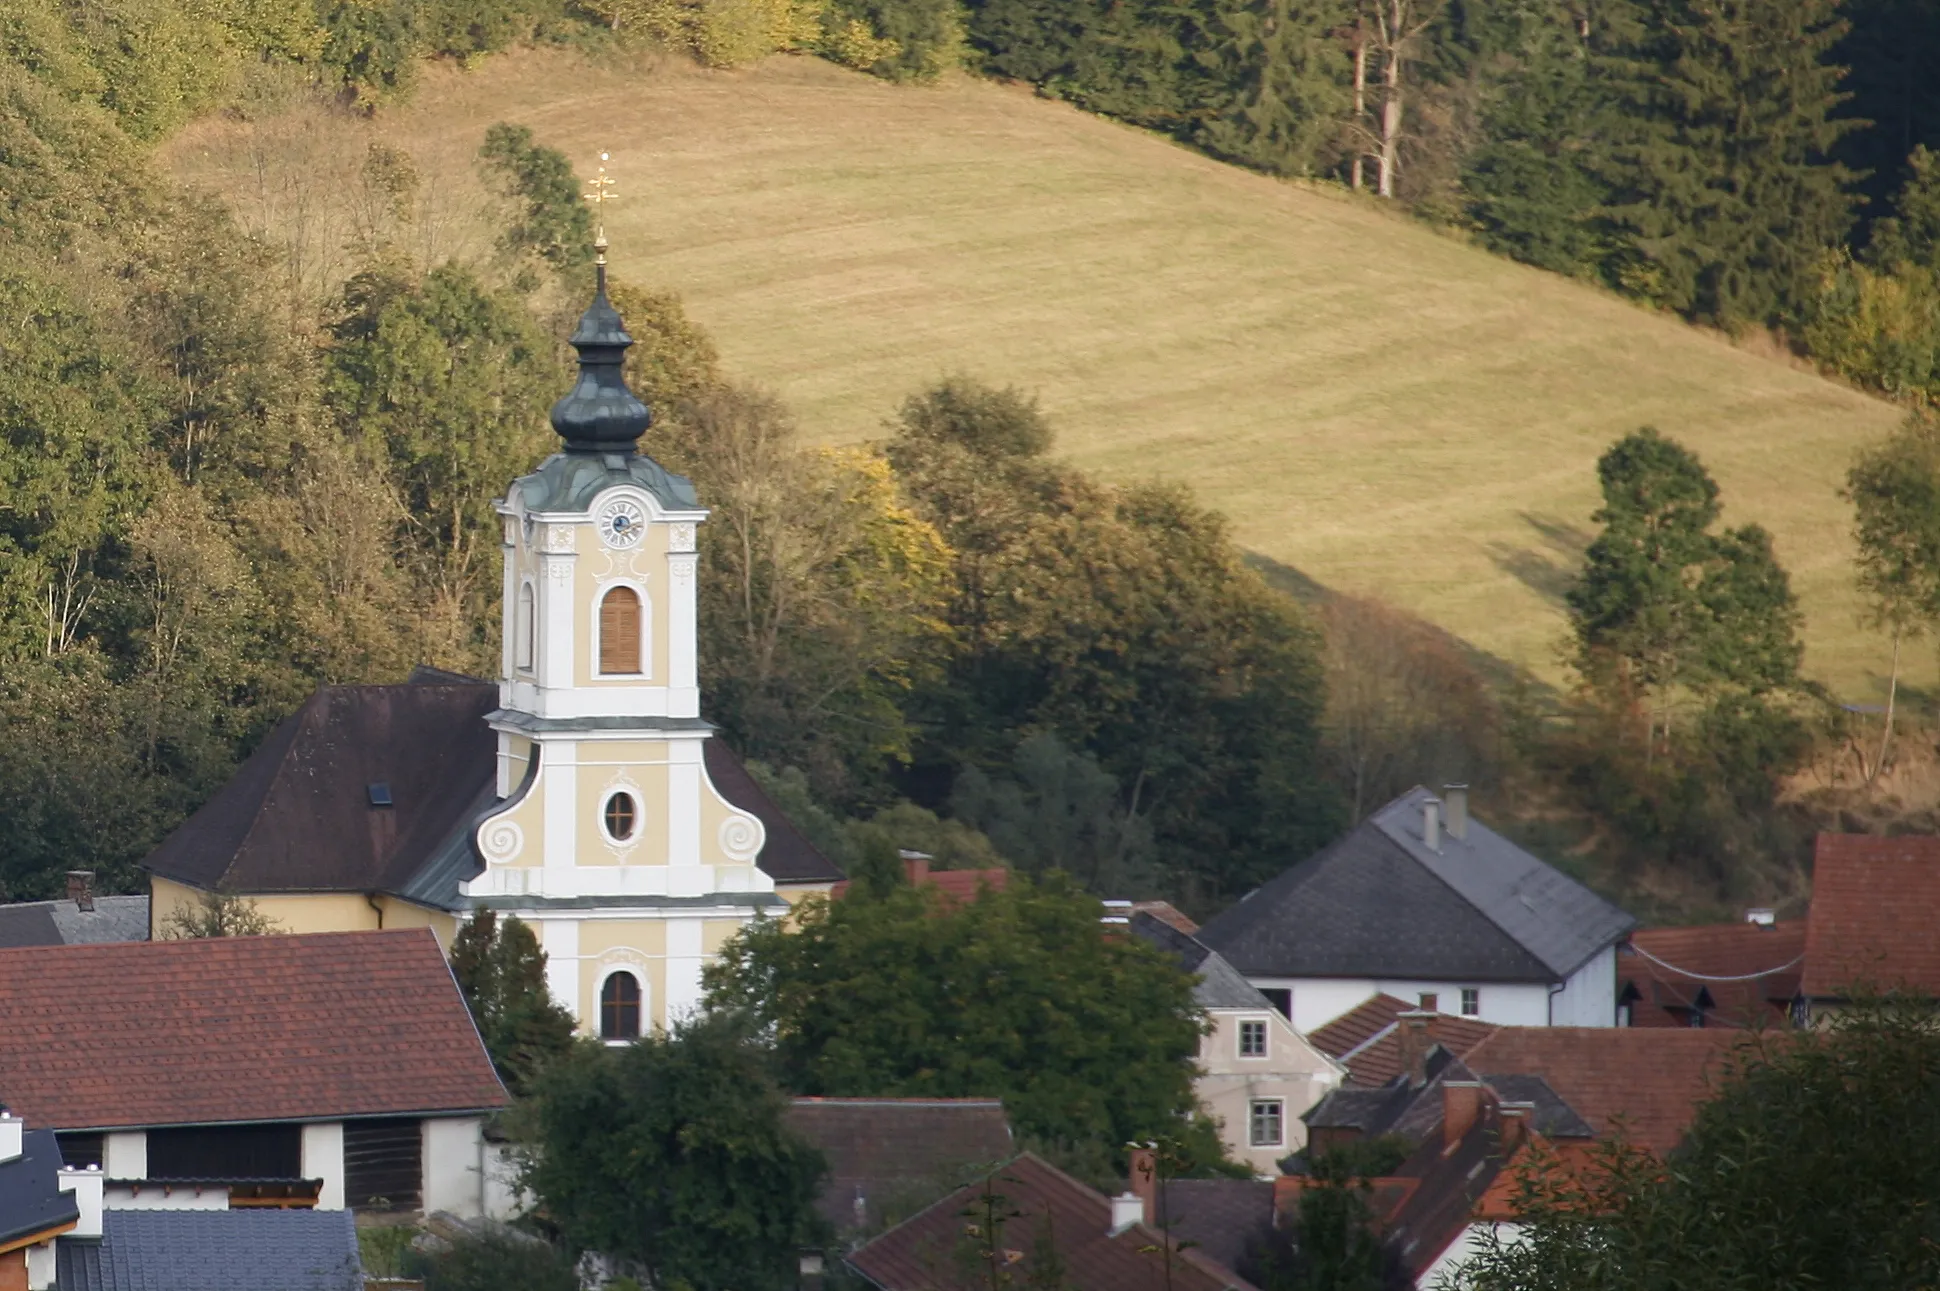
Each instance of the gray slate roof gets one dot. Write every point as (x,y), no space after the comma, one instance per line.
(1219,985)
(31,1200)
(1378,903)
(1550,1116)
(568,482)
(62,923)
(214,1250)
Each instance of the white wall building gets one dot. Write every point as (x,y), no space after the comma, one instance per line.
(1436,909)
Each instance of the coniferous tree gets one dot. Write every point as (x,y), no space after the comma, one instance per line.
(1722,176)
(502,973)
(1280,82)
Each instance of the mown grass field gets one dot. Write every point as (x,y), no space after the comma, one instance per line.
(1374,404)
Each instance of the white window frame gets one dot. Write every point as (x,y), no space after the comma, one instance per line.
(1471,995)
(639,589)
(1253,1109)
(1266,1042)
(639,815)
(639,976)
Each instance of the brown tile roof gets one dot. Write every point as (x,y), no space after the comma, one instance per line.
(931,1251)
(297,815)
(896,1155)
(1653,1078)
(281,1028)
(1875,904)
(1364,1038)
(1767,959)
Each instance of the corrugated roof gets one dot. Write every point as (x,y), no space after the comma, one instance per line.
(215,1250)
(890,1157)
(1379,903)
(315,1027)
(934,1251)
(1875,902)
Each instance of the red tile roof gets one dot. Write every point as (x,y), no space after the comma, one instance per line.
(1364,1038)
(1654,1079)
(1875,904)
(933,1252)
(1766,960)
(281,1028)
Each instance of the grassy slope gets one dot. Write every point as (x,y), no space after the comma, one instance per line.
(1375,405)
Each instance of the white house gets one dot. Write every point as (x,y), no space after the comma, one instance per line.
(1436,909)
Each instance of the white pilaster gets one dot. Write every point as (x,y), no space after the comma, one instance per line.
(683,804)
(323,1158)
(683,691)
(559,781)
(555,611)
(560,940)
(683,968)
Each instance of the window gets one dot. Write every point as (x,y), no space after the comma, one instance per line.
(620,632)
(620,1007)
(524,629)
(1428,1001)
(621,817)
(1471,1001)
(1266,1123)
(1252,1039)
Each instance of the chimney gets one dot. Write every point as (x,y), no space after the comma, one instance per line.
(1144,1183)
(13,1133)
(1763,916)
(1461,1105)
(1411,1033)
(1431,823)
(1515,1126)
(87,1187)
(80,889)
(916,867)
(1127,1209)
(1455,802)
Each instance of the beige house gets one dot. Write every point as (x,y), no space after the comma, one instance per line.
(1257,1075)
(581,792)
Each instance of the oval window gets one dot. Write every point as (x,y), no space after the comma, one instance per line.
(621,817)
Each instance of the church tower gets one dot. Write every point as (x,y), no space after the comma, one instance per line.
(610,838)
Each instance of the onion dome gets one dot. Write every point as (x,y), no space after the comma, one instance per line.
(599,414)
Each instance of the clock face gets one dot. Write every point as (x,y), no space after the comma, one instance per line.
(621,523)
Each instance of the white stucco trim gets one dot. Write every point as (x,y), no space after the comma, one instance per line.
(634,964)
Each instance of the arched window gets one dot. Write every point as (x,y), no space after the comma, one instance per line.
(620,1007)
(524,629)
(621,816)
(620,631)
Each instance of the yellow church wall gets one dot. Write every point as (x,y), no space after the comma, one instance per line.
(597,936)
(399,913)
(639,768)
(292,912)
(716,933)
(652,970)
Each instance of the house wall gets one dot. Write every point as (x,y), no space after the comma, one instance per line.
(1463,1249)
(1319,1000)
(454,1165)
(502,1200)
(311,911)
(1589,997)
(323,1158)
(34,1271)
(173,1199)
(1292,1071)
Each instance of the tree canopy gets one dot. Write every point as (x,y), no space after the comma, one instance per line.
(502,973)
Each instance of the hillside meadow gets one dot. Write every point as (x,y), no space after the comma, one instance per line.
(1377,406)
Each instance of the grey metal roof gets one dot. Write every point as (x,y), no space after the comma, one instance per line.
(31,1200)
(215,1250)
(1219,984)
(568,482)
(1378,903)
(62,923)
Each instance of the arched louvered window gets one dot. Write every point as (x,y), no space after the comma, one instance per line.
(620,1007)
(525,629)
(620,631)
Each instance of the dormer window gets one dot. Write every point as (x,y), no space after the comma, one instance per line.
(619,644)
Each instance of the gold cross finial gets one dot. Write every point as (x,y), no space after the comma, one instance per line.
(602,185)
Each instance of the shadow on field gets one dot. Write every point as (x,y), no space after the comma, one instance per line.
(1549,567)
(1497,671)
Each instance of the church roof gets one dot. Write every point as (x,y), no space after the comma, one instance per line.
(1380,903)
(568,482)
(298,815)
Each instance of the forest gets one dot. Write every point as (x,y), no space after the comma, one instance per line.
(224,483)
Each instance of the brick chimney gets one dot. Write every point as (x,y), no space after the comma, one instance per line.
(1411,1033)
(1461,1106)
(1431,824)
(1515,1126)
(1144,1181)
(1455,809)
(80,889)
(916,867)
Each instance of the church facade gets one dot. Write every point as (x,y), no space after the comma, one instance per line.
(582,793)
